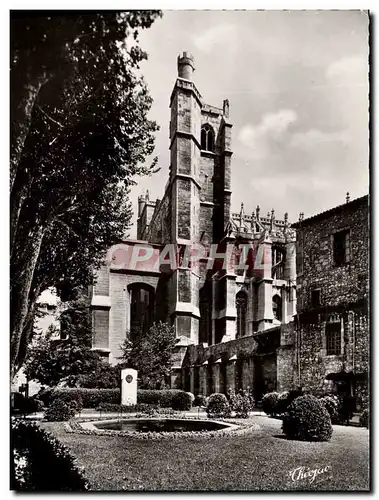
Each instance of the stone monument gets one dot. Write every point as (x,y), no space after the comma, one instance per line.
(128,386)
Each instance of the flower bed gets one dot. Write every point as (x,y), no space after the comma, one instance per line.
(74,426)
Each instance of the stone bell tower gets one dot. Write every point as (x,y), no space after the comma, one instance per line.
(185,148)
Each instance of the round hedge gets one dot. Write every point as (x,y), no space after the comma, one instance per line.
(182,401)
(200,400)
(59,411)
(270,403)
(242,404)
(282,403)
(307,420)
(331,405)
(218,406)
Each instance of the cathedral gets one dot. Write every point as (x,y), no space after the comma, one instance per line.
(235,323)
(207,306)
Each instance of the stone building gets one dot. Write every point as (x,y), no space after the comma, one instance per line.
(233,323)
(331,343)
(49,308)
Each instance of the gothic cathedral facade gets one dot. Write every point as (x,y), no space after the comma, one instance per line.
(234,307)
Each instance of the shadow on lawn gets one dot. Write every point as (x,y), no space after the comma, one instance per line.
(283,436)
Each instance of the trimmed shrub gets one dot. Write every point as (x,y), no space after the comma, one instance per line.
(218,406)
(200,400)
(270,403)
(295,393)
(139,407)
(161,397)
(41,463)
(89,398)
(76,405)
(307,420)
(242,404)
(282,403)
(92,398)
(364,418)
(331,404)
(59,411)
(181,401)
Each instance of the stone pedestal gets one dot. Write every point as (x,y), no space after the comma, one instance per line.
(128,386)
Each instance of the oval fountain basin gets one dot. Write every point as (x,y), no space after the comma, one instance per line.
(161,425)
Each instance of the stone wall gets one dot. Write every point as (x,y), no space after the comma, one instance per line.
(345,284)
(343,298)
(238,365)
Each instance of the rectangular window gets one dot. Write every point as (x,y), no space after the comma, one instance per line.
(315,298)
(333,338)
(341,248)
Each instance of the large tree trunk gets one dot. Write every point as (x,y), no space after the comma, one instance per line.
(28,329)
(18,197)
(22,103)
(21,291)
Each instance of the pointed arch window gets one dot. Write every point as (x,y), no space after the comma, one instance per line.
(278,257)
(207,138)
(142,298)
(241,307)
(277,307)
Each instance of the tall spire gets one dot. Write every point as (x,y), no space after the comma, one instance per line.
(242,215)
(286,219)
(272,220)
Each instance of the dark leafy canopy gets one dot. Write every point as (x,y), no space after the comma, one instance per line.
(51,361)
(71,58)
(79,135)
(151,355)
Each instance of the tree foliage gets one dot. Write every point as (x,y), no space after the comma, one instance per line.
(151,354)
(79,135)
(104,376)
(51,360)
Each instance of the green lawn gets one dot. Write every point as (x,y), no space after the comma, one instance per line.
(257,460)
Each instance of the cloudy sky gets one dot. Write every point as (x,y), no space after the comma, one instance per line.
(297,83)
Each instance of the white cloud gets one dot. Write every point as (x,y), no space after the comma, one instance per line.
(315,138)
(221,33)
(355,67)
(271,129)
